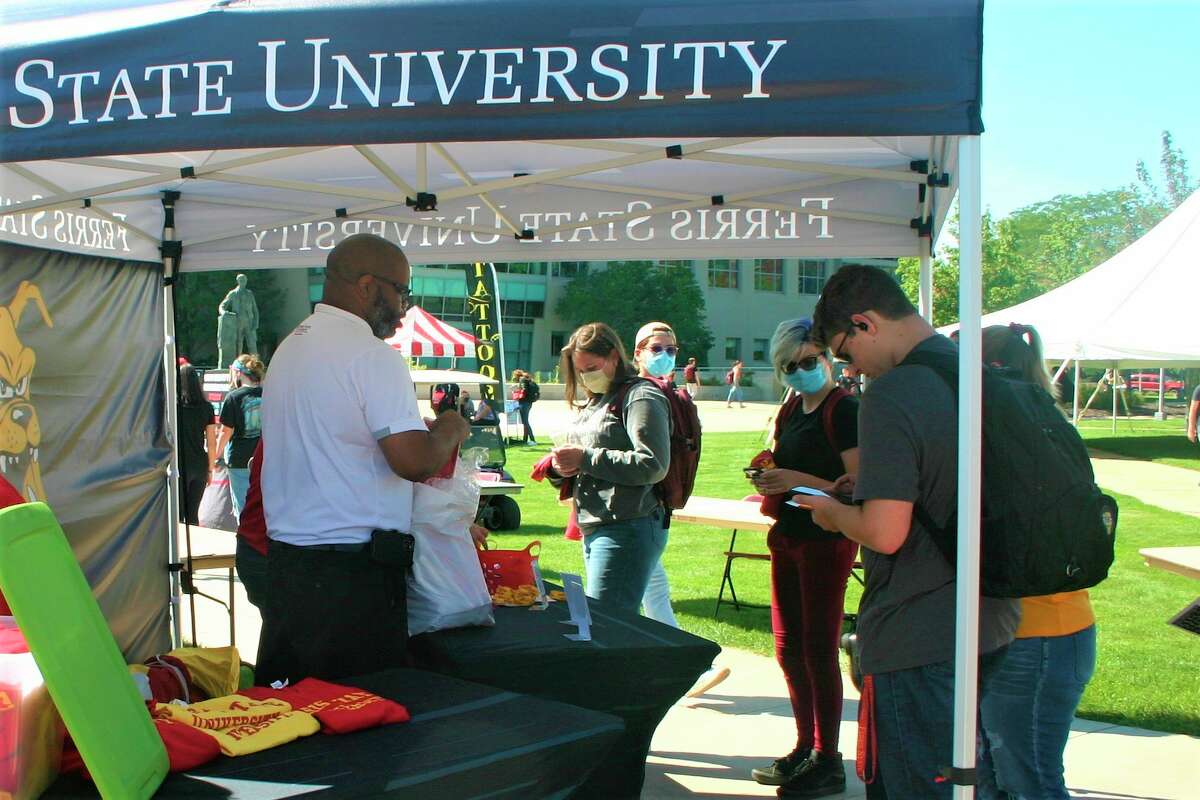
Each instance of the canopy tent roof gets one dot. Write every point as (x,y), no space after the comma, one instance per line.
(422,334)
(1135,309)
(472,130)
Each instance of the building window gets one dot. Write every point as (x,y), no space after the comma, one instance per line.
(723,274)
(558,340)
(812,276)
(768,275)
(762,350)
(568,269)
(733,349)
(522,267)
(518,349)
(677,262)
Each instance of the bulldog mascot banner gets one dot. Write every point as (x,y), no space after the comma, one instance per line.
(82,421)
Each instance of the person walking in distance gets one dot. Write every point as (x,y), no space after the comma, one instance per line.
(734,379)
(691,379)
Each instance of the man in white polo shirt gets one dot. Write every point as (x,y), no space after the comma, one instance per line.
(343,442)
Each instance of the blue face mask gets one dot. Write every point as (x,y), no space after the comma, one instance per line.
(807,381)
(660,364)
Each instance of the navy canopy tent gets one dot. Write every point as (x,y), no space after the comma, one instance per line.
(221,135)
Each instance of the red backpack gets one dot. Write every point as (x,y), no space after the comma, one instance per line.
(676,487)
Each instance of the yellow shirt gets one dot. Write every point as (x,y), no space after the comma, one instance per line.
(241,725)
(1055,614)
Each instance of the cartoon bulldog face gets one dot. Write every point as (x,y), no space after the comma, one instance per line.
(20,434)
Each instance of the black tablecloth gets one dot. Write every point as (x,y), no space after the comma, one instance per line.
(634,667)
(464,740)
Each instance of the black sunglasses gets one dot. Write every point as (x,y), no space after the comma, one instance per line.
(807,363)
(670,349)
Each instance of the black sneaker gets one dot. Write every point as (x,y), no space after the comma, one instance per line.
(820,776)
(782,768)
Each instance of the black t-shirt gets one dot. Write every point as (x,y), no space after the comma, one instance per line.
(192,420)
(1196,395)
(242,411)
(804,446)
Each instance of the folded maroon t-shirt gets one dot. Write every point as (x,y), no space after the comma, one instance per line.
(339,709)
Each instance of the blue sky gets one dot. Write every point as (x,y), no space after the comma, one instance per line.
(1075,92)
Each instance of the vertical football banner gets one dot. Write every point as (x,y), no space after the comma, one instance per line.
(483,308)
(82,426)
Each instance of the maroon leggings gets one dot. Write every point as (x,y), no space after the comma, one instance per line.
(808,591)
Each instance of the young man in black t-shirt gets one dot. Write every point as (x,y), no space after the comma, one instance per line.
(908,432)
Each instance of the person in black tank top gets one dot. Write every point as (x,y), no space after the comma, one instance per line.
(815,443)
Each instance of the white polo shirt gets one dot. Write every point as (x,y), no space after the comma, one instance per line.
(332,392)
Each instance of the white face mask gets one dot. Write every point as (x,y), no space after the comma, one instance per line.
(596,381)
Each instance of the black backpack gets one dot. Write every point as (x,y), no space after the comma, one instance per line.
(1042,524)
(533,392)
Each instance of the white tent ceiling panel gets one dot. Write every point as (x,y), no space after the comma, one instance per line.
(603,199)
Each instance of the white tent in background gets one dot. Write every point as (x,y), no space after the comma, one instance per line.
(1136,309)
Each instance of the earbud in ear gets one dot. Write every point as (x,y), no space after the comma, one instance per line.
(862,326)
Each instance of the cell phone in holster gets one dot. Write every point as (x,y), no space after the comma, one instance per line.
(392,549)
(752,472)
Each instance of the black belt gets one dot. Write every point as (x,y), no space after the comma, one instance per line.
(349,547)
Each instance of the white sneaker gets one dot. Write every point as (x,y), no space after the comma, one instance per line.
(708,680)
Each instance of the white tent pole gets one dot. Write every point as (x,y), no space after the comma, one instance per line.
(171,370)
(926,291)
(1074,403)
(1114,394)
(970,393)
(1162,375)
(1061,369)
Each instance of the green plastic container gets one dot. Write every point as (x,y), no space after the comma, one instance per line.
(77,655)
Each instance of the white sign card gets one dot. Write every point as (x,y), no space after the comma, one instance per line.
(577,607)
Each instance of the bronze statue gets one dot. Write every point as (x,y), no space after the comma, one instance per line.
(237,324)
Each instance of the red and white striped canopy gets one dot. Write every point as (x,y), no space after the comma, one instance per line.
(422,334)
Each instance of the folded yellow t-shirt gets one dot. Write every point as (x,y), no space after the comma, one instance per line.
(241,725)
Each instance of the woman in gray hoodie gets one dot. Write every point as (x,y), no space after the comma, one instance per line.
(620,449)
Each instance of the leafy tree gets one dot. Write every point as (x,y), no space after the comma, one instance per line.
(197,295)
(1178,184)
(628,294)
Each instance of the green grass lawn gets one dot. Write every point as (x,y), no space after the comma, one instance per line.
(1146,671)
(1163,442)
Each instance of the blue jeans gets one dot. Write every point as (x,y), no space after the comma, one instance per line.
(914,724)
(735,393)
(239,484)
(618,558)
(656,601)
(1027,715)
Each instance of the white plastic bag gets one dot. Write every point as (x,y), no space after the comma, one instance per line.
(447,588)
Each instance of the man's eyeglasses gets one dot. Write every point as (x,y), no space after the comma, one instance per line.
(669,349)
(808,363)
(401,289)
(840,354)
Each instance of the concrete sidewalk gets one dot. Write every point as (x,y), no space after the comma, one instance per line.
(706,747)
(1173,488)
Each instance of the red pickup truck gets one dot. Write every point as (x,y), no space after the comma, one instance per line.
(1148,382)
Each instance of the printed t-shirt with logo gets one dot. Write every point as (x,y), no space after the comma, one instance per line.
(242,411)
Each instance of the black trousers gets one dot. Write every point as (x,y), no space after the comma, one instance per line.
(523,411)
(329,614)
(191,492)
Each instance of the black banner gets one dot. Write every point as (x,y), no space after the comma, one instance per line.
(82,422)
(483,307)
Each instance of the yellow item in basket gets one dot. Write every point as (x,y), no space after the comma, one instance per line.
(524,595)
(557,595)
